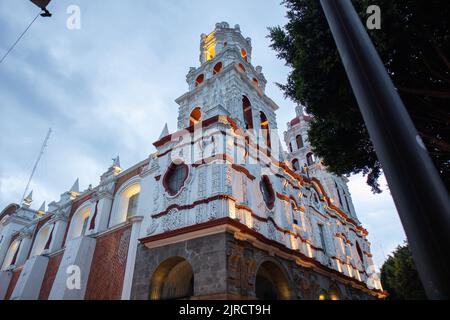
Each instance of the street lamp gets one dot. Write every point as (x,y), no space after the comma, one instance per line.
(43,5)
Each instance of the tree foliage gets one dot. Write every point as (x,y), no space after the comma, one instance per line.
(414,45)
(399,276)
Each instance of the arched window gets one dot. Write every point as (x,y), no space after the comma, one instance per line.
(339,194)
(11,255)
(79,222)
(271,282)
(195,117)
(310,159)
(241,67)
(346,201)
(217,68)
(299,141)
(210,52)
(175,177)
(265,129)
(267,191)
(290,147)
(173,279)
(322,237)
(42,240)
(199,80)
(248,116)
(125,202)
(294,213)
(360,253)
(244,54)
(295,165)
(255,82)
(316,198)
(132,205)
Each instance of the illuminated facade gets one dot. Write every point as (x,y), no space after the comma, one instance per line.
(219,211)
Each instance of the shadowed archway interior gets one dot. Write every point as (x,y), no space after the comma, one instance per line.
(173,279)
(271,282)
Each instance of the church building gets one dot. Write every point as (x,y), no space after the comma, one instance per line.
(219,211)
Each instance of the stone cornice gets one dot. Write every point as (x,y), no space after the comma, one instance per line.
(246,234)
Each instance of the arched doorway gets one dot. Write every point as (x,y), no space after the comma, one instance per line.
(173,279)
(332,294)
(271,282)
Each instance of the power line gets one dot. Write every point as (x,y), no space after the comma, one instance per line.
(20,37)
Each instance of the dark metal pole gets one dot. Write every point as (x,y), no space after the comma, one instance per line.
(420,196)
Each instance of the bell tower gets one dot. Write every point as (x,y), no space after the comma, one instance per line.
(302,160)
(221,38)
(227,84)
(224,207)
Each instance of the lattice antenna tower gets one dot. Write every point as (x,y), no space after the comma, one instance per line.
(41,152)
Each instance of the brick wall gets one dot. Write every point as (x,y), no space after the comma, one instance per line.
(50,275)
(12,283)
(108,266)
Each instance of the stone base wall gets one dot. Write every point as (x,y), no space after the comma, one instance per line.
(226,268)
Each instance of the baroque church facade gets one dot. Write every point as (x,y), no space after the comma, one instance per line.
(219,211)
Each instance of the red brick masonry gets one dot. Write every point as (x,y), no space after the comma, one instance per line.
(108,265)
(50,275)
(12,284)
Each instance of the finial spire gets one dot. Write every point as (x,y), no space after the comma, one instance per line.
(116,162)
(42,209)
(76,187)
(165,132)
(28,199)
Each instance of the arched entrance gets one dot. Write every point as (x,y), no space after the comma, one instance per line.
(271,282)
(332,294)
(173,279)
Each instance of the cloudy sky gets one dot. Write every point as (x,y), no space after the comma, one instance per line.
(108,89)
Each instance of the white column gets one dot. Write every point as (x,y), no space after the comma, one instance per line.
(6,242)
(131,258)
(30,280)
(5,279)
(77,257)
(59,231)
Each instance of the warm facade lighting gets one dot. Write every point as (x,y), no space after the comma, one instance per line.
(338,263)
(310,253)
(294,243)
(350,272)
(244,54)
(210,46)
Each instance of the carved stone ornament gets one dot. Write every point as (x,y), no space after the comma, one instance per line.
(173,220)
(154,224)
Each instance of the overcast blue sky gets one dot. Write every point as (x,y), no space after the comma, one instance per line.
(109,87)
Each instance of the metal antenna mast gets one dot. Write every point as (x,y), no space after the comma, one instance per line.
(41,152)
